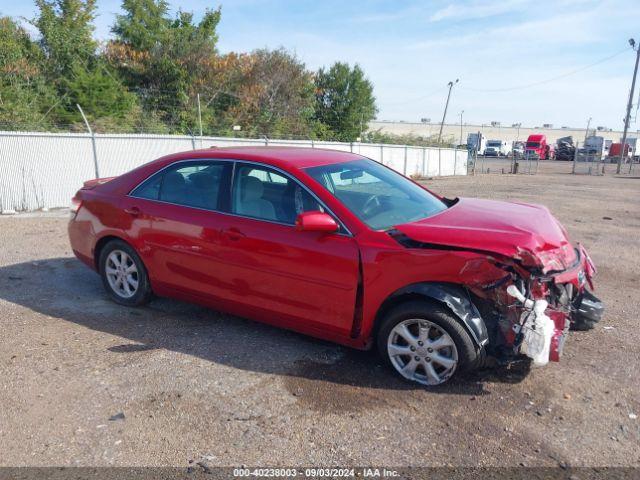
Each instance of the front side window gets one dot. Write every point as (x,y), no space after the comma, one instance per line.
(378,196)
(192,184)
(266,194)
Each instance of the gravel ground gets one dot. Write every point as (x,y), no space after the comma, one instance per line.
(86,382)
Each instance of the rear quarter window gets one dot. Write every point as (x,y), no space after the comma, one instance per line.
(149,189)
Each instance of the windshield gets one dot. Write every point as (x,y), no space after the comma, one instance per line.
(533,144)
(493,144)
(378,196)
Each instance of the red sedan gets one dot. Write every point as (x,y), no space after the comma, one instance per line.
(340,247)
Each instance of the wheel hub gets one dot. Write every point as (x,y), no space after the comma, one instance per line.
(422,351)
(121,273)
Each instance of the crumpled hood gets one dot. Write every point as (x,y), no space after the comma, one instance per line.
(523,231)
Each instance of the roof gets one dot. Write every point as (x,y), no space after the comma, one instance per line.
(284,157)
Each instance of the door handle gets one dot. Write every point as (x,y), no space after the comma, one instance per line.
(233,234)
(133,211)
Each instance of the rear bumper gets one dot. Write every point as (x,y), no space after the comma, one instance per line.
(81,239)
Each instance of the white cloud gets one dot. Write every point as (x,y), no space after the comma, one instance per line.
(474,10)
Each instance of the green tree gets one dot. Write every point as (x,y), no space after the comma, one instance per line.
(144,24)
(73,65)
(24,92)
(344,101)
(162,59)
(66,34)
(99,93)
(274,96)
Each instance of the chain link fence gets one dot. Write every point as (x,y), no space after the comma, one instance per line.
(587,161)
(526,164)
(44,170)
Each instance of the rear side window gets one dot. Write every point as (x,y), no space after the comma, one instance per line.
(150,189)
(192,184)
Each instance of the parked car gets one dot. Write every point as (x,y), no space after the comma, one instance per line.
(339,247)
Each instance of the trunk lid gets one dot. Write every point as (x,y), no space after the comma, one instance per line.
(90,184)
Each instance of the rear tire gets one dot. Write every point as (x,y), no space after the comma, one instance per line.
(425,343)
(124,275)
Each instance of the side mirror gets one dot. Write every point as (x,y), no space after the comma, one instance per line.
(316,221)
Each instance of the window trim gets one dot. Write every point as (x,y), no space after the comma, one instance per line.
(162,172)
(344,230)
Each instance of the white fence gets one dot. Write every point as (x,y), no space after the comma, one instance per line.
(44,170)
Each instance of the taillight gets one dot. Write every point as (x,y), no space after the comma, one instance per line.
(74,207)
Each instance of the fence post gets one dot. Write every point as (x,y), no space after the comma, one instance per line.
(575,158)
(424,152)
(382,154)
(404,166)
(199,116)
(93,141)
(455,159)
(351,147)
(193,142)
(266,141)
(439,162)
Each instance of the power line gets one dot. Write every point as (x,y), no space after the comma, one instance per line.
(548,80)
(424,97)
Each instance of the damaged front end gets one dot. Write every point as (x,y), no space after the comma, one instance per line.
(541,297)
(528,301)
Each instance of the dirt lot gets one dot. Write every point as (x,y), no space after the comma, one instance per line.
(86,382)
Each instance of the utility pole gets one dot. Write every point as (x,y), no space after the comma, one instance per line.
(446,106)
(586,133)
(632,42)
(461,127)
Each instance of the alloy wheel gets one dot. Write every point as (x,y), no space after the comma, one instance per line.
(122,273)
(422,351)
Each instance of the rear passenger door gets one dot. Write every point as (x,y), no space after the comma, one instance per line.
(180,206)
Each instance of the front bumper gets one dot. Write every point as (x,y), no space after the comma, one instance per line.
(578,309)
(587,311)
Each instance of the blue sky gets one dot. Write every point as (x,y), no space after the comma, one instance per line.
(411,49)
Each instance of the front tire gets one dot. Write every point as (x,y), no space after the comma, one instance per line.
(425,343)
(124,276)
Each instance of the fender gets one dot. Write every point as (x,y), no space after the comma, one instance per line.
(456,299)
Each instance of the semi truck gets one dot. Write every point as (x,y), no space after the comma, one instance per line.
(616,149)
(477,142)
(537,147)
(497,148)
(595,146)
